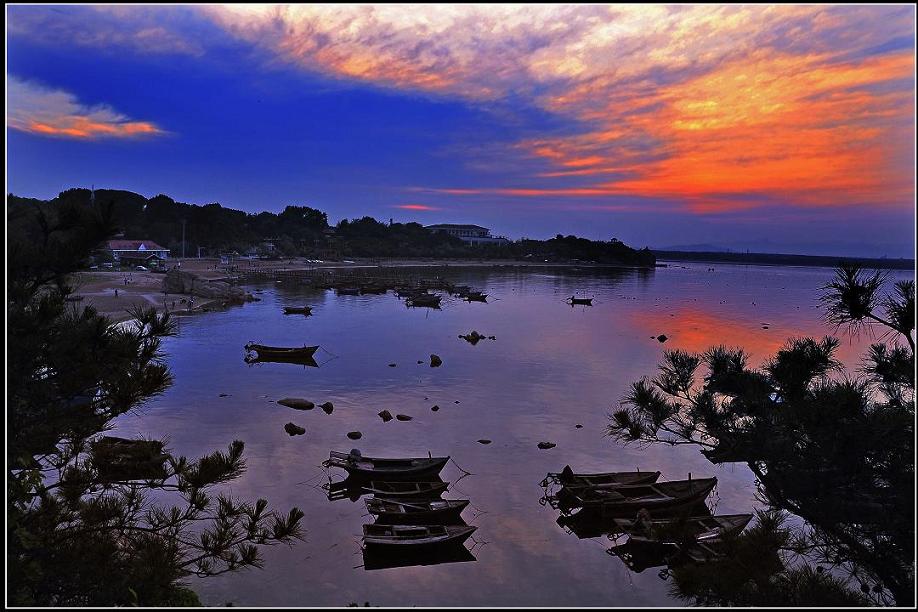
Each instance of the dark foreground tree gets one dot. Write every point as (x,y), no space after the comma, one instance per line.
(94,520)
(833,448)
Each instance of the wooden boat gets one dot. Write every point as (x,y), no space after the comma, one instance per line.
(415,536)
(697,528)
(583,301)
(477,296)
(373,289)
(429,300)
(568,478)
(416,512)
(121,459)
(629,499)
(304,310)
(405,490)
(385,469)
(273,352)
(347,291)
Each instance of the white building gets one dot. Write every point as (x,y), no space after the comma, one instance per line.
(472,234)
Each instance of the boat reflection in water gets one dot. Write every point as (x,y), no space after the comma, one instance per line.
(354,488)
(376,558)
(588,524)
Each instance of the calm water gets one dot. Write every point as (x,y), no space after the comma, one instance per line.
(551,367)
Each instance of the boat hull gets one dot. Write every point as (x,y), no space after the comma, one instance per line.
(449,536)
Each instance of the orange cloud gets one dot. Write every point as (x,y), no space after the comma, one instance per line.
(38,110)
(416,207)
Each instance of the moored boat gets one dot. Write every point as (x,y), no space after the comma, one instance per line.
(477,296)
(430,300)
(385,469)
(266,352)
(347,291)
(415,536)
(697,528)
(582,301)
(629,499)
(416,512)
(304,310)
(568,478)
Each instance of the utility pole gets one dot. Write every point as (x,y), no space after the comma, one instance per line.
(183,238)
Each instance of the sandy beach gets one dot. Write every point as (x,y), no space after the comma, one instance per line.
(114,293)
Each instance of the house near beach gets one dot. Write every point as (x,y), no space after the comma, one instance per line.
(472,234)
(137,253)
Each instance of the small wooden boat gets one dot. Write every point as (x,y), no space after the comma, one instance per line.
(274,352)
(697,528)
(429,300)
(477,296)
(373,289)
(582,301)
(347,291)
(121,459)
(403,490)
(629,499)
(416,512)
(415,536)
(303,310)
(568,478)
(385,469)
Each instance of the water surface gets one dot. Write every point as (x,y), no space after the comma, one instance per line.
(551,367)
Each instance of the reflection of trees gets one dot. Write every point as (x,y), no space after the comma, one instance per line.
(834,449)
(104,521)
(758,568)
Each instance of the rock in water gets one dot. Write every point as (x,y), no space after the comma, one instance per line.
(294,430)
(386,416)
(296,403)
(546,445)
(435,361)
(403,417)
(327,407)
(354,435)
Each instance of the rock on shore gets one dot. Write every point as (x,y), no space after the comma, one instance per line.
(188,283)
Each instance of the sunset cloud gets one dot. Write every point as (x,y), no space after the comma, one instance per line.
(719,108)
(807,105)
(39,110)
(419,207)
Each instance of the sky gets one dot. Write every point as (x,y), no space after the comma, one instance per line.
(778,128)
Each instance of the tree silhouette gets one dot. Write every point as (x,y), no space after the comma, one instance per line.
(86,524)
(832,448)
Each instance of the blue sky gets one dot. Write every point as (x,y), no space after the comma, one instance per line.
(789,129)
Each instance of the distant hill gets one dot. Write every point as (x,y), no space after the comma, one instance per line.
(693,248)
(785,259)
